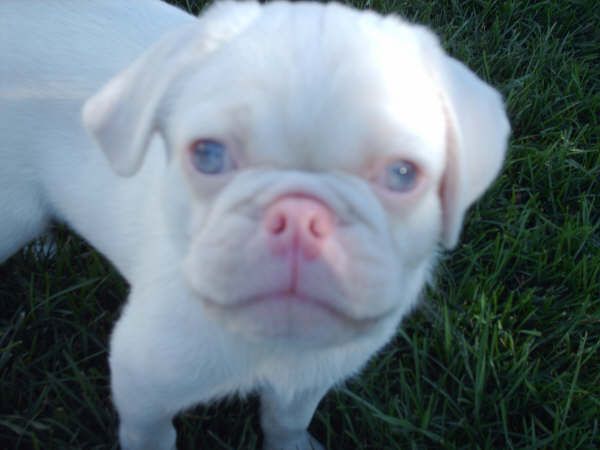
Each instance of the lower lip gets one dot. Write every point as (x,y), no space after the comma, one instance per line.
(288,300)
(293,307)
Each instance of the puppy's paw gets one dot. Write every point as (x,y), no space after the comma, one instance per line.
(157,435)
(303,442)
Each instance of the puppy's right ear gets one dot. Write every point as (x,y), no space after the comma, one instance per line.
(123,115)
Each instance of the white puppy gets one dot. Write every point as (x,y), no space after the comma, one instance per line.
(272,180)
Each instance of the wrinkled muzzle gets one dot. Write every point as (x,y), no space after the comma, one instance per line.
(295,256)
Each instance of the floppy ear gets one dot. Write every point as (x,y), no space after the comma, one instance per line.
(123,115)
(477,134)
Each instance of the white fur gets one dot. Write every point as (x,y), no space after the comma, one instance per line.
(311,99)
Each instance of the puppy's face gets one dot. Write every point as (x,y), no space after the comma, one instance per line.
(312,179)
(307,162)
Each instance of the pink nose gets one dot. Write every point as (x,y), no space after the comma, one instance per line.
(298,224)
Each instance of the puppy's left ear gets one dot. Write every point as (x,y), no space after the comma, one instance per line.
(477,135)
(123,115)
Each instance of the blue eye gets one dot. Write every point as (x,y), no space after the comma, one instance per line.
(210,157)
(400,176)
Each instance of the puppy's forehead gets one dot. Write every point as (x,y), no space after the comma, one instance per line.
(319,87)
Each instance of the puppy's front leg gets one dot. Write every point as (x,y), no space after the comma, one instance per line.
(284,419)
(143,425)
(140,389)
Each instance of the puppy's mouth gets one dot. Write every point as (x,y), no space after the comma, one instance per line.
(291,315)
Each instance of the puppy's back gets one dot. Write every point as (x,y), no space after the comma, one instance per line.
(65,48)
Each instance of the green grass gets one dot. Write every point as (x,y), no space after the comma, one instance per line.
(503,353)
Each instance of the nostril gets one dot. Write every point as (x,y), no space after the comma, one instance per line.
(317,227)
(277,223)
